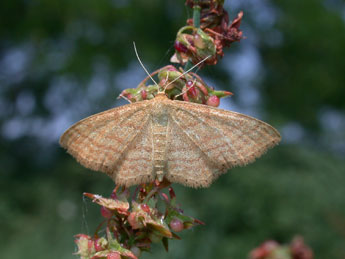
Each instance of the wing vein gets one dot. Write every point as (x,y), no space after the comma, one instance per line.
(130,141)
(223,136)
(192,141)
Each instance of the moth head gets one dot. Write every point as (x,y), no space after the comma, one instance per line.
(163,88)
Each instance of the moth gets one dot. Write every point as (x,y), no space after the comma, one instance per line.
(187,143)
(184,142)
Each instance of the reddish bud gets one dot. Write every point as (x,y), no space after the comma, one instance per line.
(106,213)
(145,208)
(143,94)
(264,250)
(176,225)
(198,42)
(98,246)
(192,91)
(129,96)
(114,255)
(300,250)
(172,193)
(132,220)
(180,47)
(213,101)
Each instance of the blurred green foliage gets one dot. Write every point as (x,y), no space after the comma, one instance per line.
(63,60)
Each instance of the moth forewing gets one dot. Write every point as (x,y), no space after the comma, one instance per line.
(188,143)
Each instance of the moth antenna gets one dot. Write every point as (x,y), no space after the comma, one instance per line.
(186,72)
(141,63)
(186,89)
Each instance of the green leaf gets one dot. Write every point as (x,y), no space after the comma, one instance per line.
(165,242)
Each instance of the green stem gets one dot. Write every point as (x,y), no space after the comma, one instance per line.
(196,14)
(196,23)
(150,194)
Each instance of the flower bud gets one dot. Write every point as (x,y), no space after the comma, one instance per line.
(204,44)
(176,225)
(264,250)
(213,101)
(106,213)
(100,244)
(133,221)
(180,47)
(198,42)
(143,94)
(145,207)
(192,91)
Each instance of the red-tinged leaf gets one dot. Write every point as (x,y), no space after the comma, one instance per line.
(129,254)
(221,94)
(237,22)
(111,204)
(176,236)
(199,222)
(188,225)
(106,213)
(163,230)
(172,193)
(101,254)
(165,197)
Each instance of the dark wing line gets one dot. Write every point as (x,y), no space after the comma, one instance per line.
(224,137)
(259,122)
(192,108)
(62,140)
(214,109)
(186,134)
(130,142)
(104,124)
(239,156)
(65,142)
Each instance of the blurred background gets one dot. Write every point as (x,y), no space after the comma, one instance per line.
(63,60)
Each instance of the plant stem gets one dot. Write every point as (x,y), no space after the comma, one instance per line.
(196,24)
(196,14)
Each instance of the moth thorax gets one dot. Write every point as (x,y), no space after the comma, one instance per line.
(160,115)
